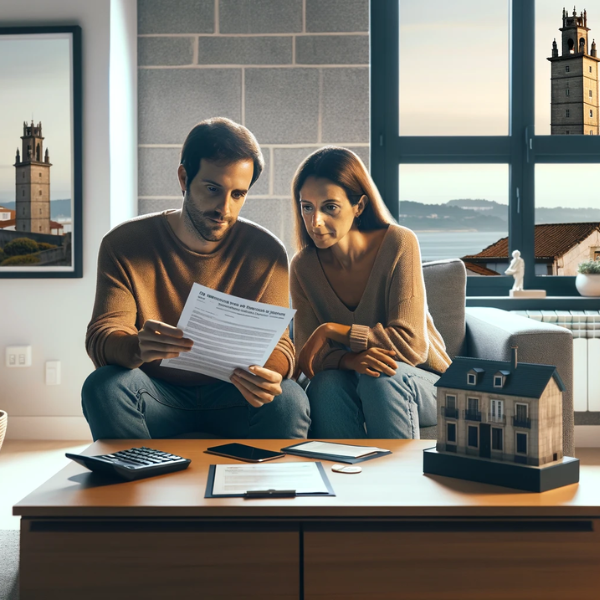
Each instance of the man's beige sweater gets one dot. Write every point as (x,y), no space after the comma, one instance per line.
(391,314)
(146,272)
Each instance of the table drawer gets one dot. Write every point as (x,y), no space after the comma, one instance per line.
(447,560)
(158,560)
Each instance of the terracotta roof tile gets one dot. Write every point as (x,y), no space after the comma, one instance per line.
(551,241)
(479,269)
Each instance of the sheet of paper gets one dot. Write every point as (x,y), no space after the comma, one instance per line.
(303,477)
(228,332)
(339,449)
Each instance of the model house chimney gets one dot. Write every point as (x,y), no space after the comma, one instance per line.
(513,359)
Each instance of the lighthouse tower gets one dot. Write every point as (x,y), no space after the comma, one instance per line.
(574,79)
(32,167)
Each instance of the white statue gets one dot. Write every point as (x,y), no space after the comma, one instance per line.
(517,270)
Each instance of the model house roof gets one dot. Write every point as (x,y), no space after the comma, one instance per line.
(527,379)
(551,241)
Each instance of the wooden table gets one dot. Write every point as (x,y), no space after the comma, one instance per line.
(391,532)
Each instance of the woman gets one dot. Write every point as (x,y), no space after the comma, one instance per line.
(362,329)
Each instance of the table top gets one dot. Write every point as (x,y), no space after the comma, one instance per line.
(390,487)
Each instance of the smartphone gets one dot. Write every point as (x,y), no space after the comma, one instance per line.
(243,452)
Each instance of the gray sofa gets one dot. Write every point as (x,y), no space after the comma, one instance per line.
(490,333)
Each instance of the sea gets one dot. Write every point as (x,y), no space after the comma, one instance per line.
(438,245)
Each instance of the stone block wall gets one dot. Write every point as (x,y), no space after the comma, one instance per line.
(295,72)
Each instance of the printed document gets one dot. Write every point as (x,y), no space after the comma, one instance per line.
(304,477)
(228,332)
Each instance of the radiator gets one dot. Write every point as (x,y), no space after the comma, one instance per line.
(585,325)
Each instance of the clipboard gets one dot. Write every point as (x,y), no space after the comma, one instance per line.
(297,451)
(267,493)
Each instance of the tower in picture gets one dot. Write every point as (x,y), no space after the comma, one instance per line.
(32,167)
(574,79)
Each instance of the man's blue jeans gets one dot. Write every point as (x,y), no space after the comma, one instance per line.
(121,403)
(343,403)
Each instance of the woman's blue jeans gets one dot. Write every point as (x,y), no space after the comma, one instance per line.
(121,403)
(345,403)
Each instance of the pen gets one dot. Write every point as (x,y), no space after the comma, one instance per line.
(270,494)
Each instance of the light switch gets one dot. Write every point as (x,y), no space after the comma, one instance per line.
(18,356)
(52,372)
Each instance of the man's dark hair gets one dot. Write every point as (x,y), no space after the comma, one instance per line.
(220,139)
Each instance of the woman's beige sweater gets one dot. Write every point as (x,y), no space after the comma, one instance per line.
(391,314)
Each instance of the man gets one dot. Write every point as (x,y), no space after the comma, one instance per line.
(146,268)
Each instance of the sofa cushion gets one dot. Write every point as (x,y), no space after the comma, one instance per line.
(445,285)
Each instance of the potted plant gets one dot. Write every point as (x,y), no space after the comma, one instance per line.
(3,419)
(587,281)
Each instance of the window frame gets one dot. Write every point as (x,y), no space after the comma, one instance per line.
(520,149)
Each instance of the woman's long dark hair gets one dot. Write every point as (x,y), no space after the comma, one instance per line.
(345,169)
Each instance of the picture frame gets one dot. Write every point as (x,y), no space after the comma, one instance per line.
(41,99)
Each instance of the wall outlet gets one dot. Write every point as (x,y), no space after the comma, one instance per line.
(52,372)
(18,356)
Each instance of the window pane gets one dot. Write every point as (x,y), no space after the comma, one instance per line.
(567,217)
(457,211)
(453,67)
(522,443)
(473,436)
(566,75)
(451,432)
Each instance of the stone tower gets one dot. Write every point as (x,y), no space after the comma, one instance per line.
(33,182)
(574,79)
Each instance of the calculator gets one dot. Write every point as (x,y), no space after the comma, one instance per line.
(134,463)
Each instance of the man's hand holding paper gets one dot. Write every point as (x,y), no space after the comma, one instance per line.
(232,339)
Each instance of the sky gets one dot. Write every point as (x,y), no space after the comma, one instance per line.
(456,54)
(35,81)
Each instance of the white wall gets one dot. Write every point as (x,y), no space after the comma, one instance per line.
(52,314)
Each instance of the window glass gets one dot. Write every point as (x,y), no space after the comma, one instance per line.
(567,217)
(450,401)
(451,432)
(473,431)
(454,67)
(458,211)
(565,59)
(496,438)
(522,443)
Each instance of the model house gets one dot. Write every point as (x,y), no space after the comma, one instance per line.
(498,410)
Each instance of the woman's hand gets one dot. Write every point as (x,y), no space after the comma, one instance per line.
(311,348)
(372,362)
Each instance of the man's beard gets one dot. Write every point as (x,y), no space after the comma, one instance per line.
(198,222)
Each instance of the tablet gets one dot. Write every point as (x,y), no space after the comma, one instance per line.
(244,452)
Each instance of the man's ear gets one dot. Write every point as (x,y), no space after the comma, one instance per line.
(361,205)
(182,176)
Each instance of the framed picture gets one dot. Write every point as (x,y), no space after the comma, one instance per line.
(40,152)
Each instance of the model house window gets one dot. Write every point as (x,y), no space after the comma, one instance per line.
(591,113)
(521,443)
(40,174)
(40,193)
(497,410)
(498,381)
(496,438)
(471,379)
(567,91)
(473,434)
(590,68)
(567,132)
(567,69)
(451,432)
(590,93)
(568,113)
(450,401)
(472,404)
(521,412)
